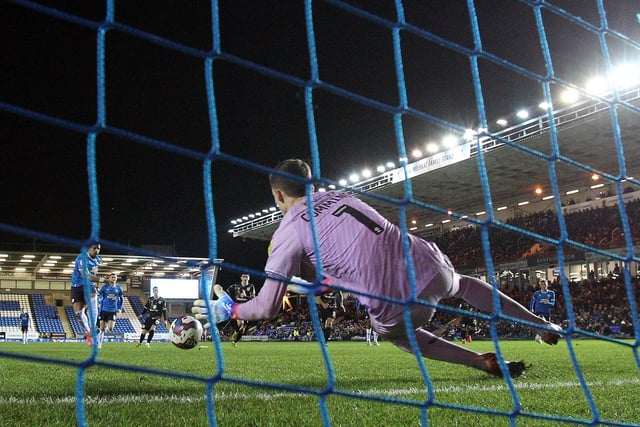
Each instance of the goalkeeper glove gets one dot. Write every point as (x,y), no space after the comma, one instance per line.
(302,287)
(223,307)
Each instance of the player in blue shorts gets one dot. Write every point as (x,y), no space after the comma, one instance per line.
(85,273)
(542,301)
(364,253)
(111,303)
(25,321)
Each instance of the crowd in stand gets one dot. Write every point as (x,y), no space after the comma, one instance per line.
(600,228)
(600,305)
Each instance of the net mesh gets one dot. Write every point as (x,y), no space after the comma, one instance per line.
(315,84)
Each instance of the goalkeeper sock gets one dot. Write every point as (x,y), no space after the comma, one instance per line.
(150,336)
(142,337)
(480,295)
(234,336)
(327,334)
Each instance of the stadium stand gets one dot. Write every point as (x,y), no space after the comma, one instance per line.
(76,326)
(10,307)
(44,316)
(136,304)
(597,305)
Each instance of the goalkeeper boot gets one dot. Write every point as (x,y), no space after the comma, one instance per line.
(491,366)
(549,337)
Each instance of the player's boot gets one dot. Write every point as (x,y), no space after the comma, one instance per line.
(491,365)
(138,344)
(147,345)
(549,337)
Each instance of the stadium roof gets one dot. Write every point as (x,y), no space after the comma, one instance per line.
(516,163)
(41,265)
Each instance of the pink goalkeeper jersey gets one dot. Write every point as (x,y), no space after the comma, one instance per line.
(360,251)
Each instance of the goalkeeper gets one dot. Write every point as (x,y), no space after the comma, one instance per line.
(362,251)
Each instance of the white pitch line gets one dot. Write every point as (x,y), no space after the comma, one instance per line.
(114,400)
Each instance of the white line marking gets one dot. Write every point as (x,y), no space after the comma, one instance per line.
(114,400)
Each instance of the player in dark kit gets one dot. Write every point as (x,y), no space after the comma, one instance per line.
(328,306)
(155,308)
(241,292)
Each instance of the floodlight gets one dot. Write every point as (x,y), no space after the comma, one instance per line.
(625,75)
(449,141)
(570,96)
(597,86)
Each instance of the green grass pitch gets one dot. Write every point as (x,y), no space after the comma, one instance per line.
(373,386)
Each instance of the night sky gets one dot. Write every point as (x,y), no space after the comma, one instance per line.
(157,91)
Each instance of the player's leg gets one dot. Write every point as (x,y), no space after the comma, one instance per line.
(145,329)
(538,337)
(325,321)
(236,332)
(92,310)
(375,338)
(152,331)
(437,348)
(101,330)
(242,326)
(480,295)
(142,335)
(329,316)
(78,305)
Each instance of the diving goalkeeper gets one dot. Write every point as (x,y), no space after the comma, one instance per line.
(362,251)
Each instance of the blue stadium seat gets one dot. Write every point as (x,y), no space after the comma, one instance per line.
(136,303)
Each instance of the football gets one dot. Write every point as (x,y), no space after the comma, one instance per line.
(185,332)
